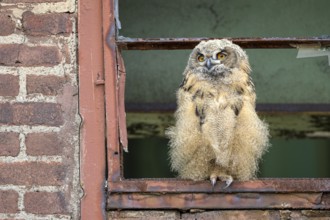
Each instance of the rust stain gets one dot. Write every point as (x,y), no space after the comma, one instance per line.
(91,57)
(121,74)
(216,201)
(189,43)
(280,185)
(99,79)
(114,153)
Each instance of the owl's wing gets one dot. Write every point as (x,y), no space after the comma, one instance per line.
(185,136)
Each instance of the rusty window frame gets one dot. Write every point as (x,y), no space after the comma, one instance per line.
(267,193)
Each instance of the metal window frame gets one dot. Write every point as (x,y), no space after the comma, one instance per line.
(277,193)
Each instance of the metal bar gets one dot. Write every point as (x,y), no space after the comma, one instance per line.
(263,107)
(121,74)
(278,185)
(111,92)
(189,43)
(186,201)
(91,109)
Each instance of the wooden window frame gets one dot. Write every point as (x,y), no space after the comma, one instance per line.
(275,193)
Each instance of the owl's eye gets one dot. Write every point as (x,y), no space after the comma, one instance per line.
(221,56)
(200,58)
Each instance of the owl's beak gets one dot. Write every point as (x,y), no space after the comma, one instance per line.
(208,64)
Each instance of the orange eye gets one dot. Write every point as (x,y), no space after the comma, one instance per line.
(200,58)
(221,56)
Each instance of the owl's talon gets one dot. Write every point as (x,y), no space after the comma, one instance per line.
(213,181)
(228,183)
(228,180)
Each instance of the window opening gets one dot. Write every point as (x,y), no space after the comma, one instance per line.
(159,193)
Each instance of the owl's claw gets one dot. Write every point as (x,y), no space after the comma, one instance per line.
(213,181)
(228,182)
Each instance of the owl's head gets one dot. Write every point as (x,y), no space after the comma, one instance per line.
(217,59)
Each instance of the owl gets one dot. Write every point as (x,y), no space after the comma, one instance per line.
(217,133)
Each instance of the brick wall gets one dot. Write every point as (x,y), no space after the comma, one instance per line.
(38,110)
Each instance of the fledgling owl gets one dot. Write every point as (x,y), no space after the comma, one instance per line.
(217,134)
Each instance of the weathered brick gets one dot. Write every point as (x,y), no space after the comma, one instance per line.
(6,113)
(32,173)
(9,85)
(45,203)
(315,214)
(46,85)
(228,215)
(39,56)
(43,144)
(35,113)
(46,24)
(154,214)
(30,1)
(9,144)
(8,201)
(9,54)
(22,55)
(7,26)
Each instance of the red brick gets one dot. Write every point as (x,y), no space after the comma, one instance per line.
(234,214)
(9,54)
(146,214)
(32,173)
(46,24)
(9,85)
(315,214)
(9,144)
(35,113)
(22,55)
(46,85)
(45,203)
(7,26)
(39,56)
(8,201)
(6,113)
(30,1)
(43,144)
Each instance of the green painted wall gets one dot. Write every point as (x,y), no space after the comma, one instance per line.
(147,158)
(154,76)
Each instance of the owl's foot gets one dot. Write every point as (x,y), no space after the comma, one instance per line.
(226,178)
